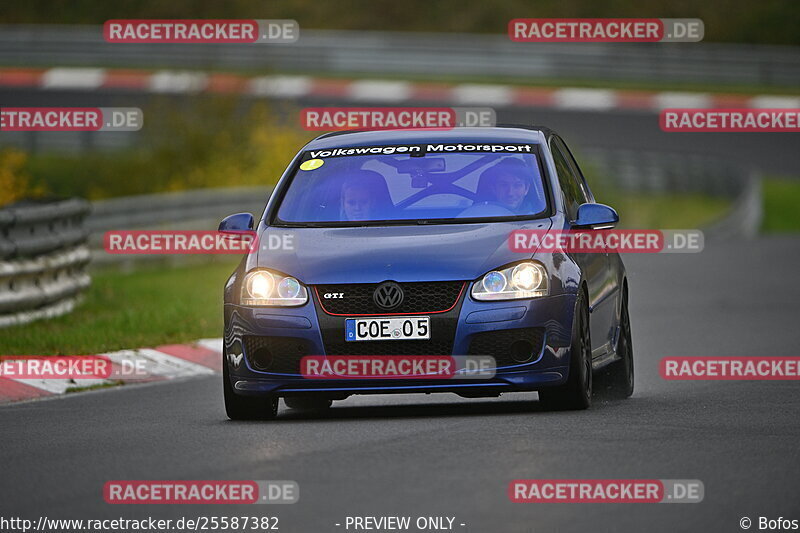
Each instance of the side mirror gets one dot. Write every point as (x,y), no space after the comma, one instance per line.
(238,223)
(596,216)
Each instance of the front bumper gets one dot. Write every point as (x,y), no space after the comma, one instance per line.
(469,328)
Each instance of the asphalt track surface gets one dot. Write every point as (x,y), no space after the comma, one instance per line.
(441,455)
(772,153)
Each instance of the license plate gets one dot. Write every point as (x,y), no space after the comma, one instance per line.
(387,329)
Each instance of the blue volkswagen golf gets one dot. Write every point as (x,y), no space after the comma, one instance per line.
(396,243)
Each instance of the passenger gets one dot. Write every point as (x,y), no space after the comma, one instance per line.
(365,196)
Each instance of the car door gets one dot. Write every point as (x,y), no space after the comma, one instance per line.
(595,266)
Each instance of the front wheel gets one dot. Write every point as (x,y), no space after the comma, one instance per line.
(239,407)
(576,393)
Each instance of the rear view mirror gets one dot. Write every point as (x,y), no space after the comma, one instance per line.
(412,166)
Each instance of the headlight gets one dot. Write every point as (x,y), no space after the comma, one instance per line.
(523,280)
(262,287)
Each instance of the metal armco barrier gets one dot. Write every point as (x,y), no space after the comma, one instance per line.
(188,210)
(336,51)
(43,258)
(665,172)
(660,172)
(175,208)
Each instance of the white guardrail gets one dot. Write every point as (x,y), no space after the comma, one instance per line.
(43,258)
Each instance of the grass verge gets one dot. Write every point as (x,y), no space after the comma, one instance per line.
(665,211)
(98,386)
(781,201)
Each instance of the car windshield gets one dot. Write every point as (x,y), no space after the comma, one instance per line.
(414,184)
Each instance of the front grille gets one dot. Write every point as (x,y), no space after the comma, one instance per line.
(419,297)
(506,345)
(280,355)
(443,328)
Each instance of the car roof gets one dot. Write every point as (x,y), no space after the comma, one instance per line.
(501,133)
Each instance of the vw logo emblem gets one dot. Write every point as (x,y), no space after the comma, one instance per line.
(388,295)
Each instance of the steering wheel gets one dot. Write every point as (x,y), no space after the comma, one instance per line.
(486,209)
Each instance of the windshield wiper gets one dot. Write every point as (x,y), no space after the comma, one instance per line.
(435,221)
(300,225)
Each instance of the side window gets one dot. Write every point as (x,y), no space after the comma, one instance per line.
(576,170)
(573,195)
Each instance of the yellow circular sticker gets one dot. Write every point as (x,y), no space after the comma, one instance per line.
(312,164)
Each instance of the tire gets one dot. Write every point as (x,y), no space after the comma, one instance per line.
(576,393)
(239,407)
(306,403)
(618,378)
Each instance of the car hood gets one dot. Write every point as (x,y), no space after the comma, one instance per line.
(400,253)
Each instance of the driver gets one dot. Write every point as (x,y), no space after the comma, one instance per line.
(508,183)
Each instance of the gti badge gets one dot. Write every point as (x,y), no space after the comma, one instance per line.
(330,295)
